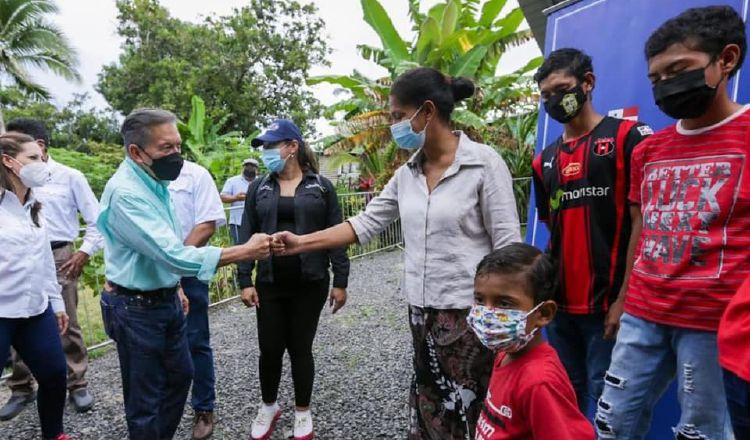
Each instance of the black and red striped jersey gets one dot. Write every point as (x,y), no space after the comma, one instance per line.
(581,188)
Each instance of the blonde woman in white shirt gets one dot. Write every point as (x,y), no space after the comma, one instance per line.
(32,311)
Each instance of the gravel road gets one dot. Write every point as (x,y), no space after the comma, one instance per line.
(363,359)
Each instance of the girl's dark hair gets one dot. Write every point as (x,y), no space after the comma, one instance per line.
(11,144)
(537,268)
(306,157)
(416,86)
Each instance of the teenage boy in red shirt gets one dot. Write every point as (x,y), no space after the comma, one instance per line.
(529,396)
(690,205)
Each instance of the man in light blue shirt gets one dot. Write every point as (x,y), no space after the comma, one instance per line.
(145,258)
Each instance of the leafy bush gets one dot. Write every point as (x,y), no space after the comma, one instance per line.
(98,166)
(75,126)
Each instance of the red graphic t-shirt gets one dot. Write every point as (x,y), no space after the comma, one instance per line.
(693,187)
(531,398)
(734,334)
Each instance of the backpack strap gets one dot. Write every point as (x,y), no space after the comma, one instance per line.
(263,181)
(323,189)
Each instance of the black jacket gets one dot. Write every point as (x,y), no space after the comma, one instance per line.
(316,207)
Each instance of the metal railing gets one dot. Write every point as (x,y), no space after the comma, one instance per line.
(223,287)
(522,193)
(353,204)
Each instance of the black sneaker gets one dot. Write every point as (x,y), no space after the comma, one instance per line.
(15,405)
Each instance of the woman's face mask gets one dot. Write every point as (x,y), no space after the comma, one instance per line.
(32,174)
(271,157)
(501,329)
(405,136)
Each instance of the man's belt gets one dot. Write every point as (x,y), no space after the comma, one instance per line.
(162,295)
(58,244)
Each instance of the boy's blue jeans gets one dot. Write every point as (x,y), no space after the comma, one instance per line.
(646,358)
(738,400)
(585,354)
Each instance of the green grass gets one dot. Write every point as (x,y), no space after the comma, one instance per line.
(222,287)
(90,316)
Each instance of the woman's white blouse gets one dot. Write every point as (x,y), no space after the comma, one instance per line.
(28,279)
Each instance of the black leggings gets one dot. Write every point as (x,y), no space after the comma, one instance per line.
(287,320)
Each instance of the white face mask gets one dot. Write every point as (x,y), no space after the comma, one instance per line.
(34,174)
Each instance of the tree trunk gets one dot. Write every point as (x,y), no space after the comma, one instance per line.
(2,121)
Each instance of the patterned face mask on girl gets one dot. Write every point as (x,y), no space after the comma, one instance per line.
(501,329)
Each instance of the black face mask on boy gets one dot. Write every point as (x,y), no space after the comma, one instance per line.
(686,95)
(564,106)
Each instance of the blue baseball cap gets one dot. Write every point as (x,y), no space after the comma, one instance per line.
(279,130)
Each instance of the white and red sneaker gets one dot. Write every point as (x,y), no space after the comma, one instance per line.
(303,425)
(265,421)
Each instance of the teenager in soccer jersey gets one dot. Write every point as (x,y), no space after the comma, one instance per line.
(581,183)
(690,196)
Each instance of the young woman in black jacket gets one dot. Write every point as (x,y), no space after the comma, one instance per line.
(289,292)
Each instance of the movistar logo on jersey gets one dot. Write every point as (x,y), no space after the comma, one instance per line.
(566,196)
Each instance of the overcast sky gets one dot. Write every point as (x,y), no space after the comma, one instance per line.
(91,26)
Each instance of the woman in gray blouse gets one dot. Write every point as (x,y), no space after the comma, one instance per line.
(455,200)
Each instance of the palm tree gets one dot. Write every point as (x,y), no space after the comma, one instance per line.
(28,39)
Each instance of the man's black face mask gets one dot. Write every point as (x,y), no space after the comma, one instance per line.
(167,167)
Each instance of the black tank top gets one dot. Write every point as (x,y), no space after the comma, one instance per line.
(286,270)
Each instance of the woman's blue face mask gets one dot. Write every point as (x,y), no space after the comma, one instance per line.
(272,159)
(405,136)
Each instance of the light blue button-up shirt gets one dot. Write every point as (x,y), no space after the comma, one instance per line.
(142,245)
(233,186)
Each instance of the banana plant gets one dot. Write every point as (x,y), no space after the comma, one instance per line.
(203,143)
(454,36)
(458,37)
(376,165)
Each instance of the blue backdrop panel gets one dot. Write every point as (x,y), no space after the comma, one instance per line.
(614,32)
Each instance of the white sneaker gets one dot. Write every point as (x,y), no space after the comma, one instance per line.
(303,425)
(265,421)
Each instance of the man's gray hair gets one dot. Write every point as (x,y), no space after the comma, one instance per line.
(137,126)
